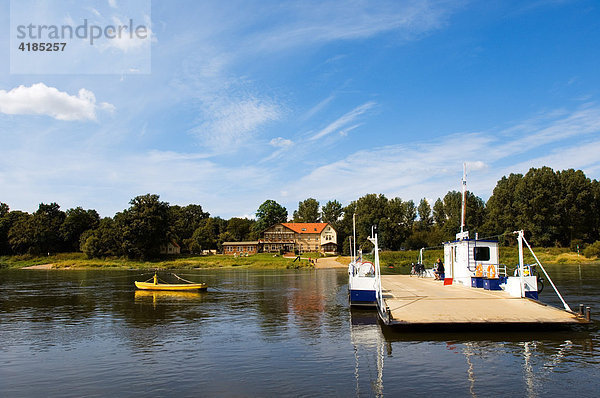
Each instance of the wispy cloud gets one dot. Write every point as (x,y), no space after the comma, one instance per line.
(325,21)
(231,111)
(231,122)
(430,169)
(281,142)
(341,123)
(39,99)
(318,107)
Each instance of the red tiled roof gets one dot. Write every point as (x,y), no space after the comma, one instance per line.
(306,227)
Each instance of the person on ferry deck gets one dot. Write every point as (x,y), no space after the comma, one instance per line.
(439,271)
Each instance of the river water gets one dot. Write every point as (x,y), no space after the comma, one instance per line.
(268,333)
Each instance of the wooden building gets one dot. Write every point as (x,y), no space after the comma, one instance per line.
(241,248)
(303,237)
(170,248)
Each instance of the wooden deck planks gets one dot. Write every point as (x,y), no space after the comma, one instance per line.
(422,301)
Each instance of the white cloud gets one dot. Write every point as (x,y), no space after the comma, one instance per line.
(128,42)
(318,107)
(340,124)
(281,142)
(476,165)
(232,122)
(112,3)
(325,21)
(424,169)
(40,99)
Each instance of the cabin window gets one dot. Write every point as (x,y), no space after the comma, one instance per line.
(481,253)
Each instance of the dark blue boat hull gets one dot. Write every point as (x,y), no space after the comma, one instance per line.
(363,297)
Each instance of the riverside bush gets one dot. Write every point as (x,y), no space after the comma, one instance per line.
(592,250)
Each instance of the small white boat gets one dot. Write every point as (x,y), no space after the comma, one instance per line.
(364,279)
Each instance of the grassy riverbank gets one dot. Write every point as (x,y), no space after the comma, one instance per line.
(79,260)
(401,260)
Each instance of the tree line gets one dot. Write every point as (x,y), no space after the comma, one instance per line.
(554,208)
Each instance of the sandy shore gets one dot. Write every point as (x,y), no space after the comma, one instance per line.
(41,266)
(329,262)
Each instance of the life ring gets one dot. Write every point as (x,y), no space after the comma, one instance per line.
(491,271)
(479,270)
(372,266)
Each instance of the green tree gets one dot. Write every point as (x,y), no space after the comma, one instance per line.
(76,222)
(205,236)
(576,204)
(370,210)
(185,220)
(595,216)
(425,217)
(308,211)
(332,212)
(239,229)
(396,227)
(538,196)
(45,225)
(270,213)
(20,232)
(104,241)
(4,227)
(502,207)
(439,214)
(144,226)
(452,208)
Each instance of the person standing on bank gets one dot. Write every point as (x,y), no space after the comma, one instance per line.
(439,271)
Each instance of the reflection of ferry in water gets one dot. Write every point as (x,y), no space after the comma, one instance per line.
(368,343)
(528,358)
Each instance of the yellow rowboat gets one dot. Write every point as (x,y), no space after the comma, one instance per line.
(154,285)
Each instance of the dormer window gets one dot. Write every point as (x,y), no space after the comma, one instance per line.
(304,229)
(315,229)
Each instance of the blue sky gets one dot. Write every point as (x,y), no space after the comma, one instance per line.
(255,100)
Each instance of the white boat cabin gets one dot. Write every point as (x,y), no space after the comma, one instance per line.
(465,258)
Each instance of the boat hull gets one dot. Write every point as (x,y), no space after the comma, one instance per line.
(171,286)
(363,298)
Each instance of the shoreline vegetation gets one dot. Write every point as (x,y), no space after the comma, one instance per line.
(399,260)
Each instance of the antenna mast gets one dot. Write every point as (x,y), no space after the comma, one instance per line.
(464,199)
(354,233)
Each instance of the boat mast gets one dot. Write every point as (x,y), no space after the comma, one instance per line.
(464,199)
(354,233)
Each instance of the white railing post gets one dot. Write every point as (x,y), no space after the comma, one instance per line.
(521,263)
(548,276)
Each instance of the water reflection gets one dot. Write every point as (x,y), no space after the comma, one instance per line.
(271,333)
(156,297)
(368,344)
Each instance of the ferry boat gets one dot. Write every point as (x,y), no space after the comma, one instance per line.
(475,263)
(364,278)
